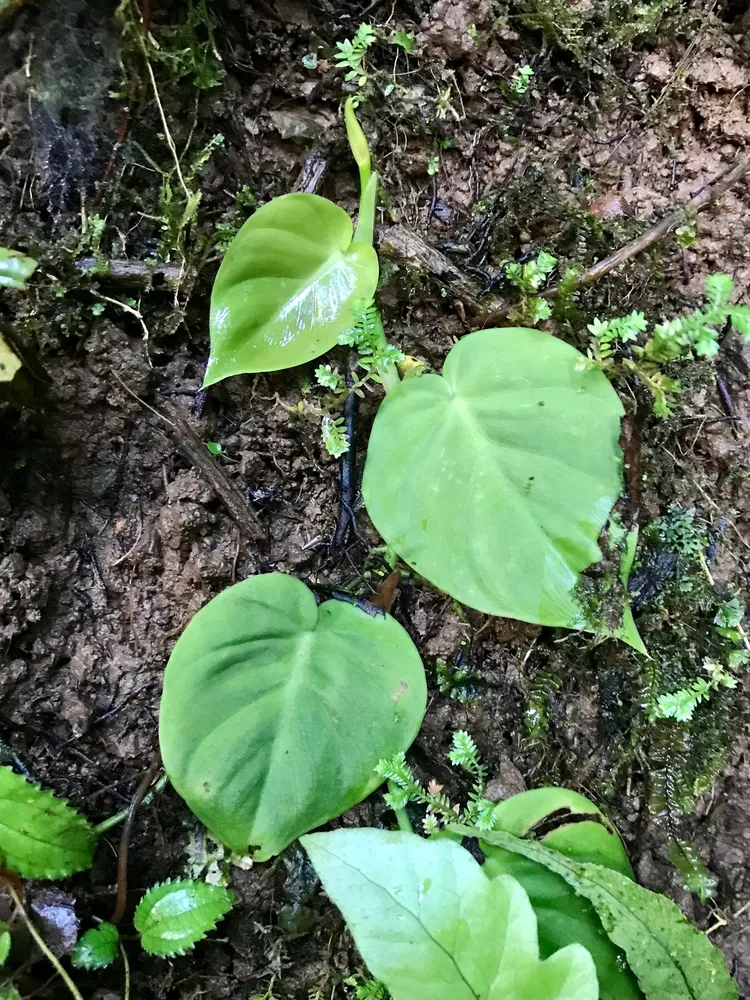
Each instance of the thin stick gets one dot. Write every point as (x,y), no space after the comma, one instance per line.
(126,964)
(112,821)
(707,195)
(127,830)
(42,944)
(195,451)
(167,133)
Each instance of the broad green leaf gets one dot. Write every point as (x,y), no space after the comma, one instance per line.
(286,287)
(275,711)
(97,947)
(597,841)
(41,836)
(671,959)
(15,269)
(9,992)
(432,926)
(173,916)
(495,479)
(563,918)
(4,942)
(9,361)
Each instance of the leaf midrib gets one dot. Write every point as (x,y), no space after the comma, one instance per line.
(401,906)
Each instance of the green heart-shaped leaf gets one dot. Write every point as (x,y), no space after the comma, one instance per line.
(495,479)
(563,917)
(286,287)
(431,925)
(275,711)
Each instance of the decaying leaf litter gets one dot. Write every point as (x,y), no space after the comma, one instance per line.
(113,534)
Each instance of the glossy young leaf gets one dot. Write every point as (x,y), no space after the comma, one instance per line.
(173,916)
(41,836)
(432,926)
(15,268)
(286,287)
(275,711)
(669,957)
(4,942)
(97,947)
(495,479)
(563,917)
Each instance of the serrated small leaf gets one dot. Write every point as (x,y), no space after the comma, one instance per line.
(4,942)
(41,836)
(97,948)
(15,268)
(173,916)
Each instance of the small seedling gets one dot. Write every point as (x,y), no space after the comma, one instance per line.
(261,762)
(528,278)
(403,39)
(404,788)
(352,52)
(521,80)
(674,340)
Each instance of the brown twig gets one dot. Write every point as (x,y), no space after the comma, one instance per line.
(127,830)
(400,244)
(707,195)
(195,451)
(312,173)
(145,275)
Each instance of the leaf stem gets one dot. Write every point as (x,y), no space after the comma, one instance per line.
(41,943)
(365,231)
(107,824)
(389,377)
(402,817)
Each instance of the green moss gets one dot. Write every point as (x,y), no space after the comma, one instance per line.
(594,33)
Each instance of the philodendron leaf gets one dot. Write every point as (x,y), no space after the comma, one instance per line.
(495,479)
(4,942)
(97,947)
(275,711)
(431,925)
(41,836)
(173,916)
(15,269)
(286,287)
(563,917)
(669,957)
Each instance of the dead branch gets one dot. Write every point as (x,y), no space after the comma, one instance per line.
(707,195)
(400,244)
(312,173)
(142,274)
(195,452)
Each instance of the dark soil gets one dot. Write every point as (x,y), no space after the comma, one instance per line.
(110,541)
